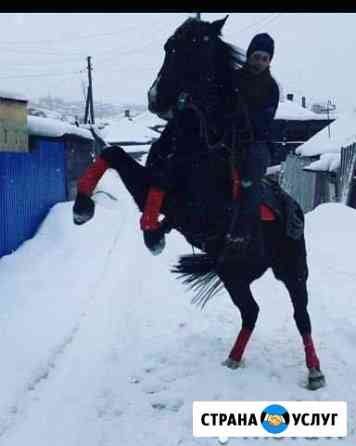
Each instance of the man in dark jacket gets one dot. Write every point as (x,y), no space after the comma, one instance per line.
(260,98)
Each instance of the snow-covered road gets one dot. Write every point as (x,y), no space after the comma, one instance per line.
(100,345)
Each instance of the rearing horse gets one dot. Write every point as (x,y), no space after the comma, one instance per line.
(195,89)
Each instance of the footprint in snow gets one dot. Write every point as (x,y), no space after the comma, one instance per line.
(168,403)
(154,388)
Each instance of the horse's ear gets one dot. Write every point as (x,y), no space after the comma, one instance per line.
(218,25)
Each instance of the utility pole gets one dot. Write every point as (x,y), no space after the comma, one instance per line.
(89,105)
(198,15)
(328,108)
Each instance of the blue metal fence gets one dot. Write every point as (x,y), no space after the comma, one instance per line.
(30,183)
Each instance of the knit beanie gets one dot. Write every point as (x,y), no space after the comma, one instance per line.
(261,42)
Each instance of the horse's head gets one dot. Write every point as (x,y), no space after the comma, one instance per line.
(190,57)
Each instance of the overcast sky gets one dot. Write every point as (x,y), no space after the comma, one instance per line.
(46,53)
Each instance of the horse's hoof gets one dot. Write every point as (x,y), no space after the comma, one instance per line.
(155,241)
(231,363)
(316,379)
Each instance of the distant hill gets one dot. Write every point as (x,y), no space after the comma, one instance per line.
(52,107)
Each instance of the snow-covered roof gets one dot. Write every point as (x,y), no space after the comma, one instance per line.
(148,119)
(126,130)
(328,162)
(291,111)
(342,134)
(12,95)
(54,128)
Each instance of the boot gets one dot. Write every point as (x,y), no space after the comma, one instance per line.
(244,239)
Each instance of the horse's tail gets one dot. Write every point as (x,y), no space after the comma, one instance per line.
(199,272)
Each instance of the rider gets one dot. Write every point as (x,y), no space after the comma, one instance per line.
(260,98)
(260,94)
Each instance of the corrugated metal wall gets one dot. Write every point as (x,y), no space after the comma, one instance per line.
(347,173)
(297,182)
(30,183)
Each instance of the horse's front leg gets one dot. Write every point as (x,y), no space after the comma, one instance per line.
(134,176)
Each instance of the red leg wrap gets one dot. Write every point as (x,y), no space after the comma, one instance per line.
(311,357)
(240,344)
(149,218)
(91,177)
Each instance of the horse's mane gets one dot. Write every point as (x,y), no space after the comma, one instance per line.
(229,60)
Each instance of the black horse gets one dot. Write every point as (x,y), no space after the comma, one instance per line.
(195,89)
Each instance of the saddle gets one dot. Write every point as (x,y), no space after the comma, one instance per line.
(285,209)
(276,204)
(204,225)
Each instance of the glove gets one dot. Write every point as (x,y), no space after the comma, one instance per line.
(83,209)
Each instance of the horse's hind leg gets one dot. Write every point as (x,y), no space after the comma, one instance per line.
(298,292)
(241,296)
(293,271)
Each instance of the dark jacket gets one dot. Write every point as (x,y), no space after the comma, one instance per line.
(260,93)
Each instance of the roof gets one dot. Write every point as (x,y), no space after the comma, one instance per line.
(125,130)
(54,128)
(328,145)
(13,96)
(289,110)
(342,134)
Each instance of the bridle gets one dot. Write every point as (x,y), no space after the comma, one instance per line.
(238,138)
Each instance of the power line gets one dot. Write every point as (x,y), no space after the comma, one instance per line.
(269,22)
(257,23)
(39,75)
(63,52)
(75,38)
(63,39)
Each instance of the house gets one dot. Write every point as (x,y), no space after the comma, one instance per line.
(323,168)
(40,160)
(293,125)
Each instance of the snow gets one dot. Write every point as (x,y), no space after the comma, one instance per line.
(149,119)
(290,111)
(328,162)
(100,344)
(13,95)
(342,134)
(126,130)
(54,128)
